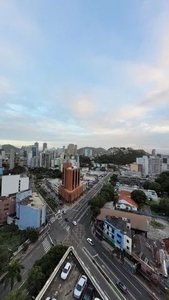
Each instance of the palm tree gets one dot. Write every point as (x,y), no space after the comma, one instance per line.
(13,272)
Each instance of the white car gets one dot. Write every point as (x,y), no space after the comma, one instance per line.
(79,288)
(65,271)
(50,298)
(74,223)
(90,241)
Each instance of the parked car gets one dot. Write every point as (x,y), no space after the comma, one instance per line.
(121,286)
(89,293)
(79,288)
(74,223)
(90,241)
(66,270)
(50,298)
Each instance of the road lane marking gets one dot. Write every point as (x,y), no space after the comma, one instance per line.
(25,272)
(122,273)
(30,256)
(106,294)
(38,248)
(132,295)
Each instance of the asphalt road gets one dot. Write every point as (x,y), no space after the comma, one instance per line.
(59,230)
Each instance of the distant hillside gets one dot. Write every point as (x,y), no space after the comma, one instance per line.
(8,147)
(96,151)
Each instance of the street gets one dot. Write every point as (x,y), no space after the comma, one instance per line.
(62,231)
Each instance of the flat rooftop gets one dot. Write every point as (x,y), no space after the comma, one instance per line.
(32,201)
(63,289)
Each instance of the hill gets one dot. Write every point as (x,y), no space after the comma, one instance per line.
(96,151)
(8,147)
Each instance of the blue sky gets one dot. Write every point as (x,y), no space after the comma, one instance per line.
(95,73)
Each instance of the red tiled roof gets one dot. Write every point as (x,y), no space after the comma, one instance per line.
(125,195)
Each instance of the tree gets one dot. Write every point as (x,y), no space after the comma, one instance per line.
(32,234)
(15,295)
(13,272)
(36,280)
(96,211)
(139,196)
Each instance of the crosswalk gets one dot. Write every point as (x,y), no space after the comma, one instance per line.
(46,245)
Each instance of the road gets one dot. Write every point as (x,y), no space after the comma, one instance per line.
(66,232)
(59,230)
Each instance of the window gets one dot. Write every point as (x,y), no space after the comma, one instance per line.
(119,236)
(128,248)
(112,236)
(127,241)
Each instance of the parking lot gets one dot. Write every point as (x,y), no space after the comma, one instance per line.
(63,289)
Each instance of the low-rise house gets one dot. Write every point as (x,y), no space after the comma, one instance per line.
(118,232)
(139,223)
(125,201)
(151,256)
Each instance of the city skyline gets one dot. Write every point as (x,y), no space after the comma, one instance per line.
(90,72)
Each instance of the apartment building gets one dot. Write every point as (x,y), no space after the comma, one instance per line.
(7,207)
(118,232)
(30,211)
(72,149)
(71,188)
(12,184)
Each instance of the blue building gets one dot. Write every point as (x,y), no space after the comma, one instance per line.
(34,151)
(118,232)
(30,211)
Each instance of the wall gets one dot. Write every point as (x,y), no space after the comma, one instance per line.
(109,230)
(7,207)
(10,184)
(28,217)
(127,244)
(125,205)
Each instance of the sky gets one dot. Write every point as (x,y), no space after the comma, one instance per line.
(94,73)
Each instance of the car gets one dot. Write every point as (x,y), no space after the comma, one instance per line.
(89,293)
(121,286)
(80,286)
(74,223)
(96,299)
(50,298)
(90,241)
(65,271)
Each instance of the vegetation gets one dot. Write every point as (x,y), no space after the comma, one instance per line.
(106,195)
(15,295)
(13,272)
(160,185)
(43,268)
(139,196)
(162,208)
(49,200)
(11,237)
(121,157)
(84,161)
(157,225)
(41,173)
(16,170)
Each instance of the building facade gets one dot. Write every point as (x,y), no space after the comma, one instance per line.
(12,184)
(72,149)
(88,152)
(71,188)
(118,232)
(7,207)
(45,146)
(30,210)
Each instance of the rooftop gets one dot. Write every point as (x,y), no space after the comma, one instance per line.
(120,224)
(126,195)
(137,222)
(63,289)
(32,201)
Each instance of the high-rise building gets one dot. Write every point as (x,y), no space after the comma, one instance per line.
(88,152)
(12,159)
(71,188)
(34,151)
(72,149)
(37,146)
(45,160)
(144,162)
(153,152)
(45,146)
